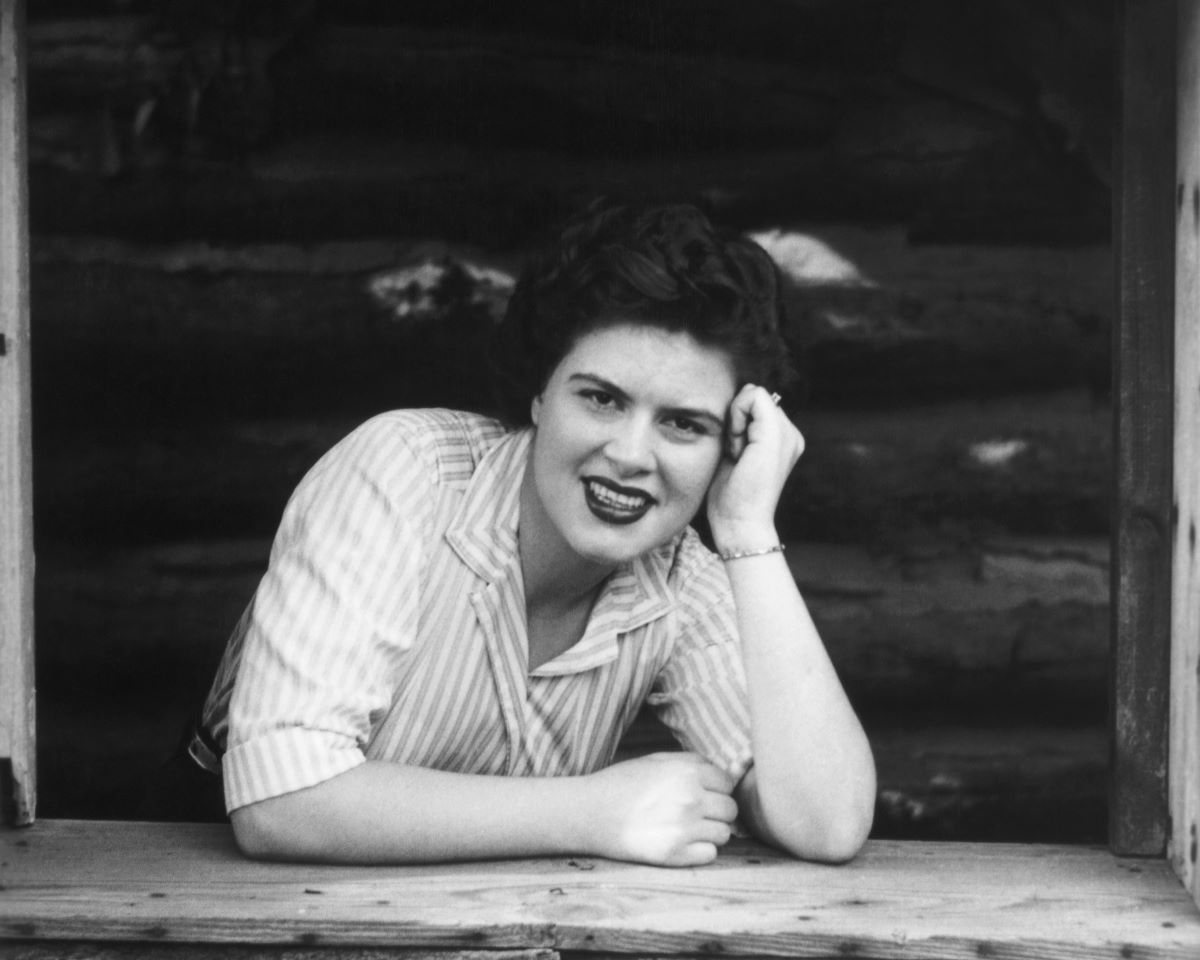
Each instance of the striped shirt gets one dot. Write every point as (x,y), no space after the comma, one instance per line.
(390,625)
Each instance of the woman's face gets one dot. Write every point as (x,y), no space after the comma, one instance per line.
(629,433)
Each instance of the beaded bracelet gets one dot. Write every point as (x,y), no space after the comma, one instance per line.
(739,554)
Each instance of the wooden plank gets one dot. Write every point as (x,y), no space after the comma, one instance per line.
(888,144)
(71,880)
(1184,774)
(193,951)
(16,452)
(509,85)
(1142,430)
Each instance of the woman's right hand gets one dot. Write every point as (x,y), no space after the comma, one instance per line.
(667,809)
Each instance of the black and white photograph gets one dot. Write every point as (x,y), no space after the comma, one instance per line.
(578,480)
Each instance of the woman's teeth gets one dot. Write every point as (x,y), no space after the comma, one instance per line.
(618,501)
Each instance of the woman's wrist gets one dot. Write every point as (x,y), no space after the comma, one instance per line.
(745,539)
(585,816)
(730,555)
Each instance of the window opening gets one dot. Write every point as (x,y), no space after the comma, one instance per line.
(243,233)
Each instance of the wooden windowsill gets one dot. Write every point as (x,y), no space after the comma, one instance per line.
(176,883)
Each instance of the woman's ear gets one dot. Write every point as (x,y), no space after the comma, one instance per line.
(535,409)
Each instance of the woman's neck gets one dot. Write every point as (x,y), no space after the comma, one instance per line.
(556,579)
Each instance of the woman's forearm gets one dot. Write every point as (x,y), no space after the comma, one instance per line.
(388,813)
(812,787)
(667,809)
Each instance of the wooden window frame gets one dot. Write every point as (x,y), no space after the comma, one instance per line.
(1154,795)
(1143,387)
(17,757)
(1155,691)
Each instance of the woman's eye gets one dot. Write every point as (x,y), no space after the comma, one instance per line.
(599,399)
(687,426)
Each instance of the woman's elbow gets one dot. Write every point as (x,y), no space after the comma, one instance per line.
(833,832)
(845,832)
(262,833)
(840,840)
(835,839)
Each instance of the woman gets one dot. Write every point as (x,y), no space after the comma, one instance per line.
(459,619)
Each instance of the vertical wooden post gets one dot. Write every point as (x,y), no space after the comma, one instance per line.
(1185,615)
(1143,207)
(17,768)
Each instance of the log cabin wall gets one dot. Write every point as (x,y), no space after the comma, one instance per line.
(253,226)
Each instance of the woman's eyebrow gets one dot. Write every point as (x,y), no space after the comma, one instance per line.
(696,413)
(606,385)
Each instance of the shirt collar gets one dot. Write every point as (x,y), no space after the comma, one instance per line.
(635,594)
(484,531)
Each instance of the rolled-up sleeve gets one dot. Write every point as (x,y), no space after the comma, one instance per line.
(332,618)
(700,694)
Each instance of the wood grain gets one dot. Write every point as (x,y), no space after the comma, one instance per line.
(16,456)
(1184,776)
(93,950)
(72,880)
(911,109)
(1142,443)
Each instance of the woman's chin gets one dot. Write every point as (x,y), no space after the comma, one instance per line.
(614,544)
(606,556)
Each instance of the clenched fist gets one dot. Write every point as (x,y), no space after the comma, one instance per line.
(668,809)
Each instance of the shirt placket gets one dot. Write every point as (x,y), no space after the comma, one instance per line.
(500,610)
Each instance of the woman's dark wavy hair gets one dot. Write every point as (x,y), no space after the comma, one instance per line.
(662,266)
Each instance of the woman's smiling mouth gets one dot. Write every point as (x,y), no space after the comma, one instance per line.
(614,504)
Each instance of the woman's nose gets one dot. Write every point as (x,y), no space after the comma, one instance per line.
(630,447)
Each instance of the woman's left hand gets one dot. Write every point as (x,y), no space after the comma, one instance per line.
(762,446)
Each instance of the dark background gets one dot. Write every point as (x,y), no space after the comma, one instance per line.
(256,224)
